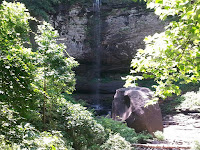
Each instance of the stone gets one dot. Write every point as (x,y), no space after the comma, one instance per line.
(129,106)
(123,29)
(124,33)
(71,24)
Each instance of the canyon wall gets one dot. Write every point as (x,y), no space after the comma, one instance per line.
(123,28)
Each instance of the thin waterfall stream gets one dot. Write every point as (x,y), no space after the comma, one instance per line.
(97,50)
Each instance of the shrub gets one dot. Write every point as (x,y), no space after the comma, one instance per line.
(112,126)
(44,140)
(159,135)
(80,126)
(187,102)
(116,142)
(15,134)
(47,140)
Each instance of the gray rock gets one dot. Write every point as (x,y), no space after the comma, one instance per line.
(123,28)
(129,105)
(72,24)
(123,31)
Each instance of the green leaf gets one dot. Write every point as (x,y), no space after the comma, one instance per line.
(159,1)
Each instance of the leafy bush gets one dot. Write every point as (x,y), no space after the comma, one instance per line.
(15,134)
(44,140)
(9,123)
(112,126)
(45,7)
(187,102)
(159,135)
(116,142)
(80,126)
(17,69)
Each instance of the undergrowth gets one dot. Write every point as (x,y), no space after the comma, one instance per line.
(188,102)
(112,126)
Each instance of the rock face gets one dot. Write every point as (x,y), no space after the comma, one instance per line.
(123,31)
(129,105)
(123,28)
(72,26)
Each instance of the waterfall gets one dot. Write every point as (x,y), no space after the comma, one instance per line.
(97,50)
(97,5)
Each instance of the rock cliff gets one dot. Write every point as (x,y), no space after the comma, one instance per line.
(123,28)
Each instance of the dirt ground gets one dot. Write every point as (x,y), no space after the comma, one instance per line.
(180,132)
(182,129)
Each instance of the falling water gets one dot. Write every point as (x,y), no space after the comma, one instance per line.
(97,5)
(97,50)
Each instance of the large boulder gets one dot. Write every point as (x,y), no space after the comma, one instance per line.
(129,105)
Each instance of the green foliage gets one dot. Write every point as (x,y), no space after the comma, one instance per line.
(8,123)
(70,98)
(16,135)
(169,106)
(38,7)
(159,135)
(54,69)
(81,127)
(116,142)
(14,24)
(42,8)
(54,66)
(196,145)
(114,127)
(17,68)
(171,56)
(187,102)
(22,71)
(44,140)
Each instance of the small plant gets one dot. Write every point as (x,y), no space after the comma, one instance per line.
(159,136)
(116,142)
(196,145)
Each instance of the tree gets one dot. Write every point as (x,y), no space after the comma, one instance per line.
(17,69)
(22,71)
(172,56)
(42,8)
(55,74)
(38,7)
